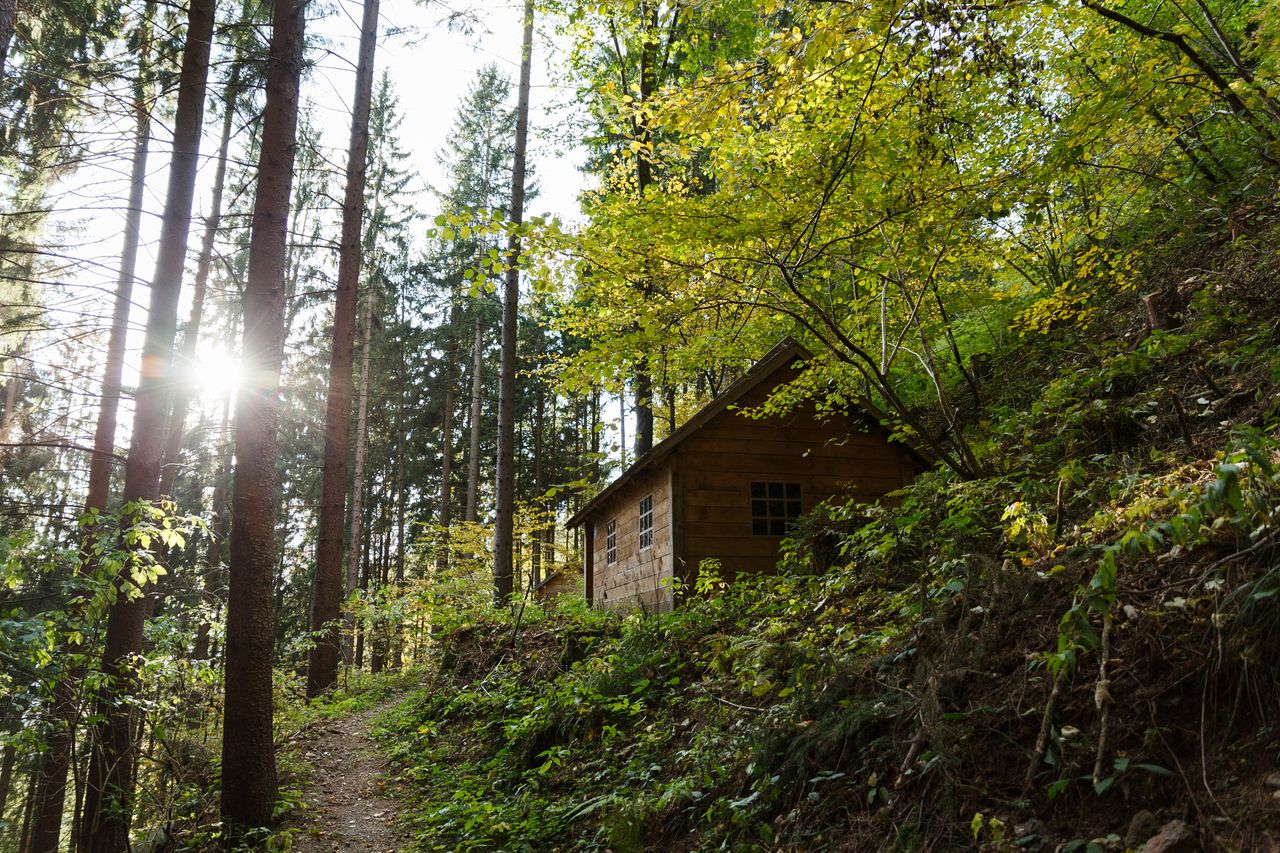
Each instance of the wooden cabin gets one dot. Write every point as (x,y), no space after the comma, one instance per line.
(726,486)
(559,582)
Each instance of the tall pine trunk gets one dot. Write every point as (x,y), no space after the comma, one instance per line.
(503,537)
(51,796)
(446,438)
(109,798)
(362,452)
(218,524)
(327,592)
(397,639)
(642,377)
(248,754)
(473,452)
(8,23)
(539,532)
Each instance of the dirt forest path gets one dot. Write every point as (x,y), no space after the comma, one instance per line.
(351,803)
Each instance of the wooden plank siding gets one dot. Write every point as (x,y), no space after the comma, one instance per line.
(561,583)
(700,478)
(636,579)
(825,455)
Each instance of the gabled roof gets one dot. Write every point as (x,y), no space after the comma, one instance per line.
(787,351)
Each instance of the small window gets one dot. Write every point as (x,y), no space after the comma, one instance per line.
(646,522)
(773,507)
(611,542)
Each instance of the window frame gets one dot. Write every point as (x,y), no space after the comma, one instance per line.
(611,542)
(642,530)
(774,505)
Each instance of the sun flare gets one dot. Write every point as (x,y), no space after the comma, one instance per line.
(215,373)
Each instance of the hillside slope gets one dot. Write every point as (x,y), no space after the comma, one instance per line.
(1077,652)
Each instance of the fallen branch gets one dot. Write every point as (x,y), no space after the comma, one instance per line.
(1042,741)
(1102,698)
(733,704)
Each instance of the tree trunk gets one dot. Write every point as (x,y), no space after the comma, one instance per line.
(362,449)
(109,806)
(397,639)
(642,378)
(539,422)
(28,811)
(218,526)
(595,435)
(47,820)
(6,776)
(503,567)
(191,335)
(622,426)
(327,592)
(248,753)
(473,458)
(12,398)
(379,660)
(446,440)
(644,408)
(365,556)
(8,23)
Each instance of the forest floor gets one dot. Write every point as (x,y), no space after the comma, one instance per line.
(351,801)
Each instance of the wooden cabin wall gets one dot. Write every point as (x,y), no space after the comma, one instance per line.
(636,579)
(718,463)
(561,583)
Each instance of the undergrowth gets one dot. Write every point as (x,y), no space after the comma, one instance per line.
(1021,661)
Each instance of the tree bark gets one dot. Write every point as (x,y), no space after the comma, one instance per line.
(643,378)
(539,533)
(362,450)
(446,439)
(503,565)
(327,592)
(473,455)
(397,640)
(110,792)
(644,408)
(6,775)
(218,525)
(8,23)
(28,810)
(47,820)
(594,471)
(12,398)
(248,753)
(378,660)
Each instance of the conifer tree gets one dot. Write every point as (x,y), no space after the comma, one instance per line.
(503,542)
(108,804)
(322,666)
(248,751)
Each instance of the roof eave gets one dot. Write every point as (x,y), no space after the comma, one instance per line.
(785,350)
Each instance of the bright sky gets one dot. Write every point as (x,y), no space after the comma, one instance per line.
(432,66)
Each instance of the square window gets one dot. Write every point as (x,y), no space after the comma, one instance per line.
(646,523)
(611,542)
(774,506)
